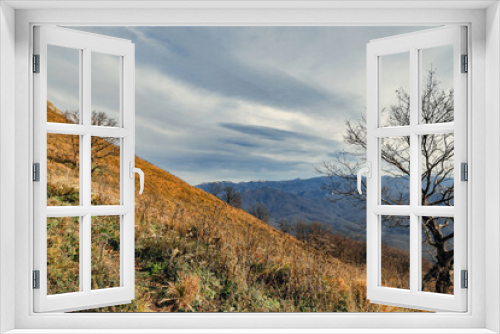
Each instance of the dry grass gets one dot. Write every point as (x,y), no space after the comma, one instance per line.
(196,253)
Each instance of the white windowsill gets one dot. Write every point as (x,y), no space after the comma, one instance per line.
(250,331)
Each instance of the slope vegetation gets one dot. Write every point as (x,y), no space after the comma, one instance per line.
(193,251)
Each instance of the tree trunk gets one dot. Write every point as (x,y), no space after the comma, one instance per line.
(442,269)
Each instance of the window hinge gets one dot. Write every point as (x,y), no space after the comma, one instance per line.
(36,63)
(36,172)
(465,279)
(464,171)
(36,279)
(465,64)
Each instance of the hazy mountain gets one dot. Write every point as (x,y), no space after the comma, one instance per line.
(301,199)
(307,200)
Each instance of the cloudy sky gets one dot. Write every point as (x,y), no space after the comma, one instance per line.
(237,103)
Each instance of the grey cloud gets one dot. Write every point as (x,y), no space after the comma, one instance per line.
(203,57)
(266,132)
(293,69)
(106,84)
(208,154)
(240,143)
(227,166)
(63,86)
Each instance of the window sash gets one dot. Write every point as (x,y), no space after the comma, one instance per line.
(85,298)
(414,298)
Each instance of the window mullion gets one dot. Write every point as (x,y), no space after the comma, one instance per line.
(421,129)
(86,180)
(414,171)
(373,183)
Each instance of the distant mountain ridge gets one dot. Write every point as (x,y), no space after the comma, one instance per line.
(307,200)
(301,199)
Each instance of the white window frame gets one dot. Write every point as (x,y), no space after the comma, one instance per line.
(484,51)
(86,44)
(454,36)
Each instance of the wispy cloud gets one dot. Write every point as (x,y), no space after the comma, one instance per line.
(267,132)
(242,103)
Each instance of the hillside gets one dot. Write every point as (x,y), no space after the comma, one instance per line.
(193,251)
(294,207)
(306,200)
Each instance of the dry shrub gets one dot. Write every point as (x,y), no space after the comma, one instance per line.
(182,294)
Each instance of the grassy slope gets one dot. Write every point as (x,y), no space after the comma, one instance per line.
(193,251)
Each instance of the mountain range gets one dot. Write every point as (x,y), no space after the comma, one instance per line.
(309,201)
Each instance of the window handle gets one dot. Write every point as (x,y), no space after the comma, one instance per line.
(368,171)
(134,170)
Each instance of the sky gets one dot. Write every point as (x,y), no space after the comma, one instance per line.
(237,103)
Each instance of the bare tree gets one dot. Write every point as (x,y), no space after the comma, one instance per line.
(231,196)
(260,211)
(437,173)
(215,188)
(302,230)
(101,147)
(285,226)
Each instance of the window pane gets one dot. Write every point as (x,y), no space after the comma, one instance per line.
(437,84)
(63,170)
(106,89)
(63,255)
(395,89)
(395,252)
(105,252)
(437,254)
(438,169)
(105,171)
(63,84)
(395,171)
